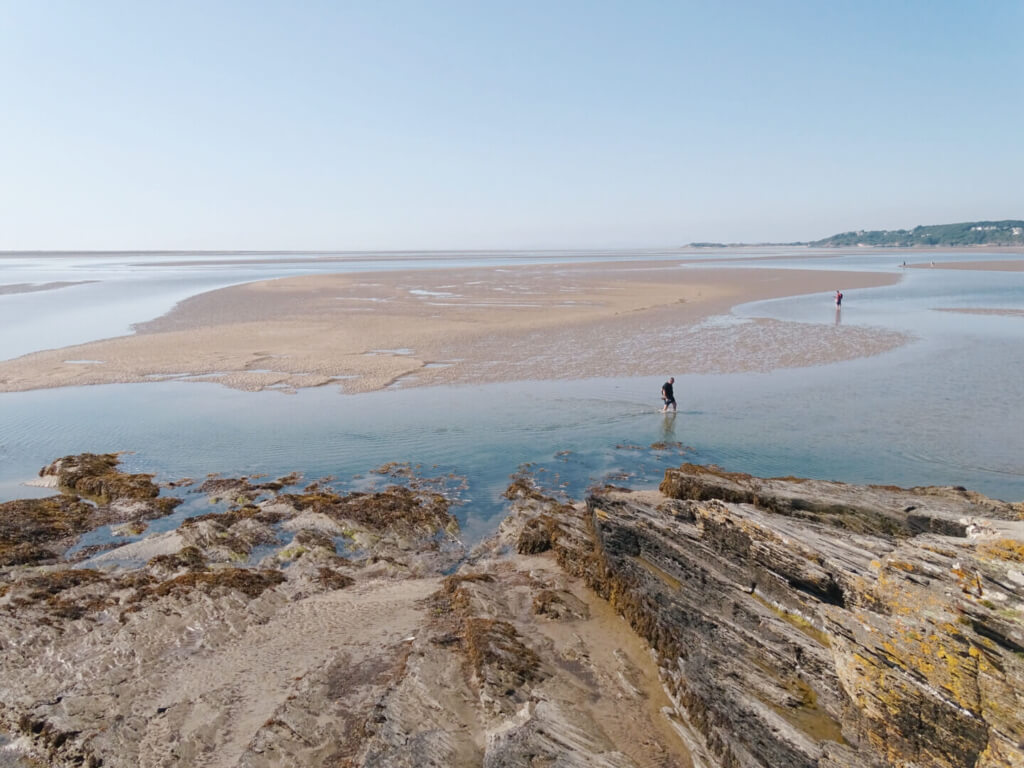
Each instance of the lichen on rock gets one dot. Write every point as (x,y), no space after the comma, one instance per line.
(803,609)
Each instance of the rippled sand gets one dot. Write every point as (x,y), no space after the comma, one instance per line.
(365,331)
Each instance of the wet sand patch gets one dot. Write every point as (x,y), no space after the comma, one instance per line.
(983,311)
(36,287)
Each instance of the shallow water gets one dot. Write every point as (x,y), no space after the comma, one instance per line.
(944,409)
(11,757)
(899,418)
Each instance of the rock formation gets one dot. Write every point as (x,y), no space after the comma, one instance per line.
(805,623)
(96,493)
(721,621)
(319,629)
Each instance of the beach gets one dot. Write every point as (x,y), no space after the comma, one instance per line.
(368,331)
(419,588)
(339,342)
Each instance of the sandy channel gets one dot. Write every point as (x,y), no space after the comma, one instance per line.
(365,332)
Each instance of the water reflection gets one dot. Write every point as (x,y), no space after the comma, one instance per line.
(668,428)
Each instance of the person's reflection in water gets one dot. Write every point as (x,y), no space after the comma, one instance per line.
(839,316)
(668,427)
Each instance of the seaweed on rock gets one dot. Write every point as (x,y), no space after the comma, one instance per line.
(96,476)
(38,530)
(395,508)
(250,582)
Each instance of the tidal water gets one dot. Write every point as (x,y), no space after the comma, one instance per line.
(945,409)
(13,757)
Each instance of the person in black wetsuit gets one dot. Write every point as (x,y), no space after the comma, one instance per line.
(839,298)
(668,395)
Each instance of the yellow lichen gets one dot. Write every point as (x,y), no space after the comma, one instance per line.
(799,622)
(662,576)
(1003,549)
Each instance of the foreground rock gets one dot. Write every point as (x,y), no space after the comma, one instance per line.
(95,493)
(317,629)
(774,623)
(803,623)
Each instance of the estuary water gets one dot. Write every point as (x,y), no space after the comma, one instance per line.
(944,409)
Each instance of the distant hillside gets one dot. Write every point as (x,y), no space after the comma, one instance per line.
(968,233)
(1009,232)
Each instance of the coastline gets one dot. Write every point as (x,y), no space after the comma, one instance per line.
(308,626)
(200,659)
(368,331)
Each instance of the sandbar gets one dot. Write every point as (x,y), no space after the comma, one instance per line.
(368,331)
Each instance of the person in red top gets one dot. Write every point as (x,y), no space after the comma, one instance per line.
(839,298)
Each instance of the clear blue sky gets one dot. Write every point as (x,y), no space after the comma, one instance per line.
(392,125)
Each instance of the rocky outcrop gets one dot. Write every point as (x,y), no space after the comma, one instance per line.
(803,623)
(778,622)
(94,493)
(96,476)
(317,628)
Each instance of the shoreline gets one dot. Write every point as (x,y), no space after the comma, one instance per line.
(366,331)
(310,625)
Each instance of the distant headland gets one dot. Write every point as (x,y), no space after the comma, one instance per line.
(965,234)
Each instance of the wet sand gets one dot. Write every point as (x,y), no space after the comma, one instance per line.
(34,288)
(366,331)
(981,311)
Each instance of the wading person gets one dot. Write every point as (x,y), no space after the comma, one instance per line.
(668,395)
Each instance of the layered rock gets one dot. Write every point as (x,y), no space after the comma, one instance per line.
(803,623)
(776,622)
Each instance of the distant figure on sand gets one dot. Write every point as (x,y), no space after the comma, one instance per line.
(839,298)
(668,395)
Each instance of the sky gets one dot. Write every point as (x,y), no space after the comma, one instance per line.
(391,125)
